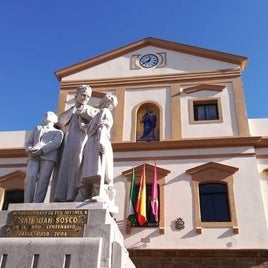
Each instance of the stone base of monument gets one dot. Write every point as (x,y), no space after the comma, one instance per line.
(93,189)
(65,235)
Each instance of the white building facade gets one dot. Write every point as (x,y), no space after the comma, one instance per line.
(211,159)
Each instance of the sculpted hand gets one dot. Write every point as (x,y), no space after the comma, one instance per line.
(104,122)
(28,151)
(35,152)
(80,110)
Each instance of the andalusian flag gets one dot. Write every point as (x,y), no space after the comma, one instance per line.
(154,195)
(141,200)
(132,198)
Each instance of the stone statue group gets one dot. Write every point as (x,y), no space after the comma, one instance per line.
(74,151)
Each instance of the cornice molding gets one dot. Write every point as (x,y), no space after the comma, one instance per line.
(201,87)
(187,144)
(212,165)
(221,142)
(263,143)
(12,153)
(15,174)
(153,79)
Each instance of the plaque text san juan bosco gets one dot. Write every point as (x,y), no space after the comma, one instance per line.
(46,223)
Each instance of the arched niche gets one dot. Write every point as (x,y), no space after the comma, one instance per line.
(148,118)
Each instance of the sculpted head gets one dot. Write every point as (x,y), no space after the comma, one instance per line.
(83,94)
(50,117)
(108,101)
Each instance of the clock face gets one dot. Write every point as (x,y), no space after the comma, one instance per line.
(148,60)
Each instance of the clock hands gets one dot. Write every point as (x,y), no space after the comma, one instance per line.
(148,60)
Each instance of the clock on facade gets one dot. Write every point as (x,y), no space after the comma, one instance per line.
(148,60)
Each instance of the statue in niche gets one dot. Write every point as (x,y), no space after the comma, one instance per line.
(97,167)
(42,150)
(149,124)
(74,123)
(148,131)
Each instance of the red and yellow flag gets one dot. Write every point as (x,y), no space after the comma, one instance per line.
(141,200)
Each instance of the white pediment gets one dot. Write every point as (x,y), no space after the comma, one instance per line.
(173,58)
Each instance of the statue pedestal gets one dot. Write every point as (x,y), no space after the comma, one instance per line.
(70,235)
(94,189)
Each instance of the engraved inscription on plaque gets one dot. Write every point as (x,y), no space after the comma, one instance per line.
(46,223)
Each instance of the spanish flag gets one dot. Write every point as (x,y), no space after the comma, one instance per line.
(141,200)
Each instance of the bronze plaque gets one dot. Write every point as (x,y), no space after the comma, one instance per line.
(46,223)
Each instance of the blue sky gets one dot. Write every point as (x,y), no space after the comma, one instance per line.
(39,37)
